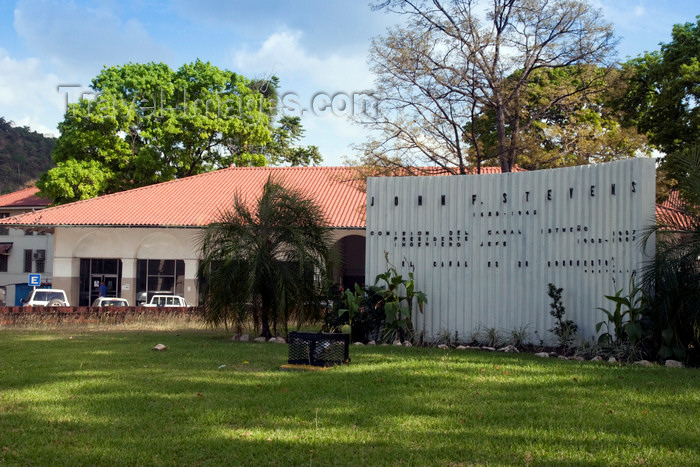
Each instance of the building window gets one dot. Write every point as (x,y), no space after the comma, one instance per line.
(4,230)
(3,263)
(159,276)
(27,260)
(40,257)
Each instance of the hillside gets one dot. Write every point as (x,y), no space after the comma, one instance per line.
(24,156)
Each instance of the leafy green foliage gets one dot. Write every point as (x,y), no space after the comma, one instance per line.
(397,295)
(266,264)
(283,148)
(75,180)
(576,129)
(625,325)
(664,90)
(24,156)
(359,308)
(352,301)
(673,277)
(626,318)
(564,329)
(148,123)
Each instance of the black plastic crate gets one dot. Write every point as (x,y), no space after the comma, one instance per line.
(318,348)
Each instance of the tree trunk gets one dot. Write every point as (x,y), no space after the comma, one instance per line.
(265,323)
(265,315)
(502,138)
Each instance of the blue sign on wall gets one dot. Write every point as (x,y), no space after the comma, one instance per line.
(34,279)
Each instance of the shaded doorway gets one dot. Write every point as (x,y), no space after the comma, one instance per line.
(96,270)
(352,261)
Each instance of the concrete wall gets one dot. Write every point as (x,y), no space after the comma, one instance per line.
(484,247)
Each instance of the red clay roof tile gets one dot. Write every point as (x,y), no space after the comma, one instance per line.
(23,198)
(672,213)
(196,201)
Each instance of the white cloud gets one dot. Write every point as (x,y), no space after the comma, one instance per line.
(282,54)
(83,38)
(28,95)
(313,80)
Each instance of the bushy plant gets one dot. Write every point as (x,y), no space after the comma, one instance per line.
(443,336)
(490,336)
(332,319)
(396,299)
(264,261)
(358,309)
(351,300)
(519,335)
(673,277)
(564,329)
(625,327)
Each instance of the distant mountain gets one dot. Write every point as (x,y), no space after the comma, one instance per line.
(24,156)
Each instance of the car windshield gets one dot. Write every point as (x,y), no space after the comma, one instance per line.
(43,296)
(113,302)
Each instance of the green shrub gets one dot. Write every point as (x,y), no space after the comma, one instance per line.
(564,329)
(625,328)
(396,299)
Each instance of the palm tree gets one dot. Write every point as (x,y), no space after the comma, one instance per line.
(674,274)
(265,264)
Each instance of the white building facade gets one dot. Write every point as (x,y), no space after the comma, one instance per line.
(22,251)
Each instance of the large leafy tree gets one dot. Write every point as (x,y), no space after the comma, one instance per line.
(147,123)
(579,128)
(664,90)
(449,67)
(264,260)
(663,100)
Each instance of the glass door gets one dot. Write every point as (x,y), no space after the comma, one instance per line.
(110,280)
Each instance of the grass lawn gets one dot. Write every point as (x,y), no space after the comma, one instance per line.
(105,398)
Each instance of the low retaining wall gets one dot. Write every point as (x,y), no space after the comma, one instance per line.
(87,314)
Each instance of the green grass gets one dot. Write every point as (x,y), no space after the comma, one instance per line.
(105,398)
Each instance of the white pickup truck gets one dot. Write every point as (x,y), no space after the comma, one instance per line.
(167,301)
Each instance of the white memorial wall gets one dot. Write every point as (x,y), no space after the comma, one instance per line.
(484,247)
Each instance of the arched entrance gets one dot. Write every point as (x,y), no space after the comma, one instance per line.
(352,261)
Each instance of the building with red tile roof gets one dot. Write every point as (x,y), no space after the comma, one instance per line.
(197,201)
(145,240)
(23,200)
(22,253)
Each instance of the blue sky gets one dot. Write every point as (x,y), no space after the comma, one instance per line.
(313,46)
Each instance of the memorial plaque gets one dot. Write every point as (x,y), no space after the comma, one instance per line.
(484,247)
